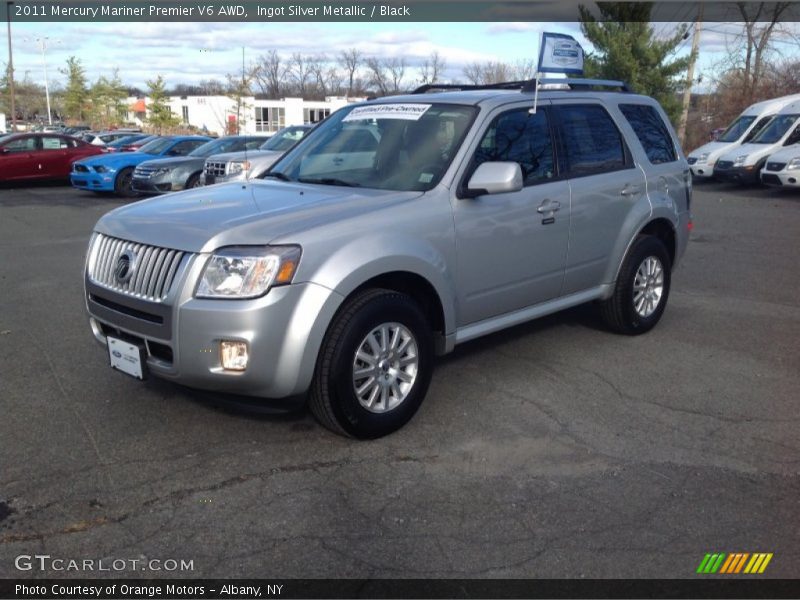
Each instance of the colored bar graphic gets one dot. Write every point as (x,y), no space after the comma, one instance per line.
(765,563)
(740,564)
(727,564)
(718,563)
(753,564)
(703,563)
(734,563)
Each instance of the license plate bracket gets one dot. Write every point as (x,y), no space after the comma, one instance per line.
(127,357)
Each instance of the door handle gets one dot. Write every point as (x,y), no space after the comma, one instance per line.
(549,206)
(629,190)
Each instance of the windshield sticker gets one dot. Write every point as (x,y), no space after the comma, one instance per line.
(408,112)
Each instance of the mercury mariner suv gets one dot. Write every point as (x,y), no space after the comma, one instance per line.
(341,274)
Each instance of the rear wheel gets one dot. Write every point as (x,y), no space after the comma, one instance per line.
(374,367)
(122,185)
(642,288)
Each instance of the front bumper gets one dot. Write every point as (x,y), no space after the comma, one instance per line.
(283,329)
(100,182)
(153,185)
(702,170)
(781,178)
(743,175)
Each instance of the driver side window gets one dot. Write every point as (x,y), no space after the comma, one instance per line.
(27,144)
(794,138)
(520,137)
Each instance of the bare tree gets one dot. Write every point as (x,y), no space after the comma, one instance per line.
(487,72)
(432,68)
(378,76)
(270,74)
(397,70)
(301,71)
(524,68)
(760,22)
(350,60)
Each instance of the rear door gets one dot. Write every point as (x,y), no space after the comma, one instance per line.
(605,187)
(53,156)
(512,247)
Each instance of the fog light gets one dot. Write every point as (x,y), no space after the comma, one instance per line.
(233,355)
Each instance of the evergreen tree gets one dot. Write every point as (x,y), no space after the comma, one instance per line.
(76,94)
(626,49)
(161,116)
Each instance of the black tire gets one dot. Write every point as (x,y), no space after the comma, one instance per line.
(619,311)
(192,182)
(122,184)
(333,399)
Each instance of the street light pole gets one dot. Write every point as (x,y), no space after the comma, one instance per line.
(43,45)
(11,70)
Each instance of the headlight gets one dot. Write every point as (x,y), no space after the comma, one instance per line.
(247,272)
(237,166)
(101,169)
(739,161)
(702,158)
(162,171)
(793,164)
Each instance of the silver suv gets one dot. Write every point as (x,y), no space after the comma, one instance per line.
(395,230)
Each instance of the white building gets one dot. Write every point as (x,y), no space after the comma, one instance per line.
(219,114)
(2,123)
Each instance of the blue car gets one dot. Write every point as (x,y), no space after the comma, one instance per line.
(113,172)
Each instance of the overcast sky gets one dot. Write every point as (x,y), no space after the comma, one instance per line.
(190,52)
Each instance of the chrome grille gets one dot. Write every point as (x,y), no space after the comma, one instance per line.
(215,169)
(142,172)
(154,267)
(724,164)
(775,166)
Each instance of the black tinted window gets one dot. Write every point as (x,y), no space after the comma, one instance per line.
(651,131)
(591,139)
(523,138)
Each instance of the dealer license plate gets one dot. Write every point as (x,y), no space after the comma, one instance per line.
(126,357)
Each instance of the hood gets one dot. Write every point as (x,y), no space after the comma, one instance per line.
(204,219)
(785,154)
(712,148)
(754,152)
(175,161)
(117,160)
(229,156)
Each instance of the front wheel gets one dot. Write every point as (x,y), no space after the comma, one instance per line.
(374,367)
(122,185)
(642,288)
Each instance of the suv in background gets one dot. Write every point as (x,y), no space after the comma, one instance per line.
(344,272)
(240,166)
(183,172)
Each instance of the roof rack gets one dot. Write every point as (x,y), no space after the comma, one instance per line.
(528,85)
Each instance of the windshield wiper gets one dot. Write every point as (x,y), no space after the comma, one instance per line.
(278,175)
(328,181)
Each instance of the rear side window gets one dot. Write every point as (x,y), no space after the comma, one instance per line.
(523,138)
(592,142)
(651,131)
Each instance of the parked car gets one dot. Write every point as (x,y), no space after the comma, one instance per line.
(40,155)
(742,130)
(112,172)
(127,142)
(102,138)
(345,271)
(783,168)
(744,164)
(240,166)
(175,174)
(137,144)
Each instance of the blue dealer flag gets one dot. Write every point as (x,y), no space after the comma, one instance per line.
(560,53)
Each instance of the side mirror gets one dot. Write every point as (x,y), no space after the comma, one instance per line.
(4,150)
(494,178)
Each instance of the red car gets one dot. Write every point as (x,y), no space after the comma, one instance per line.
(41,155)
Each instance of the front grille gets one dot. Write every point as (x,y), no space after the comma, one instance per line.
(724,164)
(142,172)
(154,268)
(775,166)
(691,160)
(81,168)
(215,169)
(771,179)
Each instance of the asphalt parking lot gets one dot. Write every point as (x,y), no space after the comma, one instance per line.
(554,449)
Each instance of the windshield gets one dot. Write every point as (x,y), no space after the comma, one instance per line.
(156,146)
(736,129)
(226,144)
(776,129)
(403,147)
(125,140)
(284,139)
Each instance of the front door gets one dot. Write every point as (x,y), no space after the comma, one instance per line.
(512,247)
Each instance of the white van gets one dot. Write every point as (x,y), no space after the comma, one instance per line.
(743,164)
(741,131)
(783,167)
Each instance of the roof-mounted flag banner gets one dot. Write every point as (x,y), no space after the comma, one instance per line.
(560,53)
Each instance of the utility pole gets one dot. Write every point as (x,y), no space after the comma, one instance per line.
(687,92)
(11,70)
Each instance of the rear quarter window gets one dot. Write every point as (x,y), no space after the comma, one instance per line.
(651,131)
